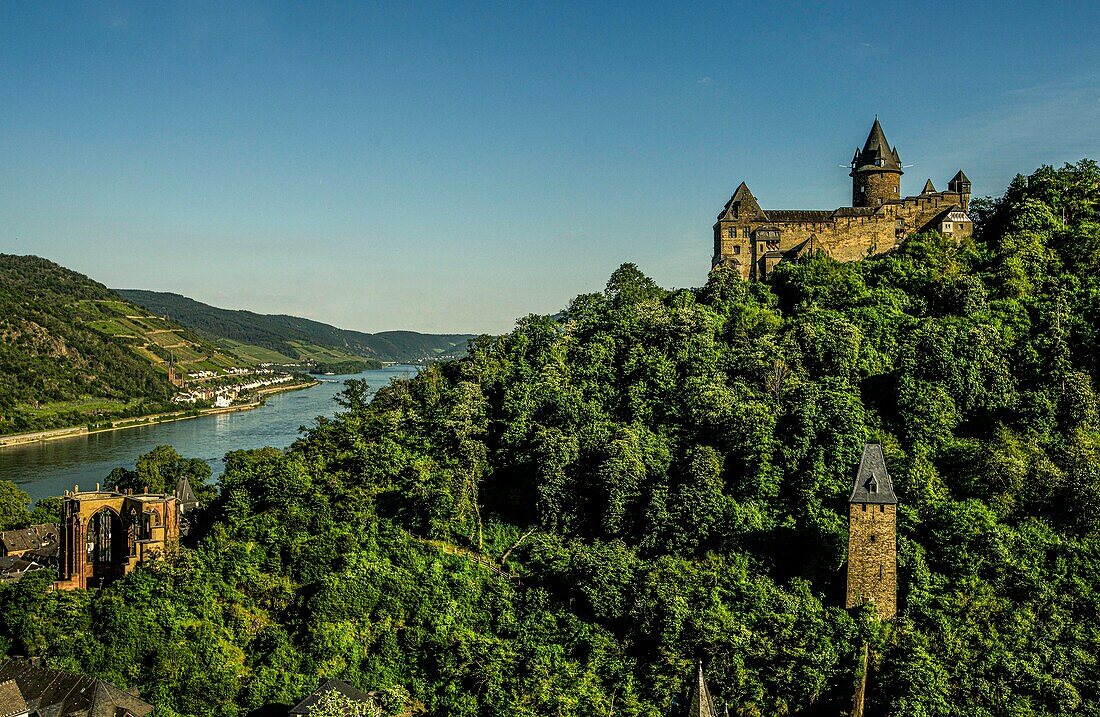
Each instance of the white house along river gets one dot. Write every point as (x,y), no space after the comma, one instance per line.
(50,467)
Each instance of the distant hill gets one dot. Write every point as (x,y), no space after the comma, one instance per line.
(298,338)
(72,351)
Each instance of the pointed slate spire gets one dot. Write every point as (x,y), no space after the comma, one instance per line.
(185,494)
(700,703)
(928,188)
(959,183)
(877,153)
(873,483)
(742,205)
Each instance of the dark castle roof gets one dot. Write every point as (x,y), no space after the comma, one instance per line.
(960,177)
(876,155)
(185,494)
(52,693)
(343,688)
(700,703)
(742,205)
(799,215)
(32,538)
(929,188)
(873,483)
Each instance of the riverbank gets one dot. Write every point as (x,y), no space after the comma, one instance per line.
(16,439)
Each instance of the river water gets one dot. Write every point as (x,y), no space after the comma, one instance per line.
(50,467)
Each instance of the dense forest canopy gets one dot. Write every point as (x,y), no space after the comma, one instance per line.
(560,523)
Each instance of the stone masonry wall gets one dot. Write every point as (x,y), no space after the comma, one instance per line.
(843,238)
(873,557)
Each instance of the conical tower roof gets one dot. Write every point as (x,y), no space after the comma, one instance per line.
(929,188)
(877,154)
(184,493)
(873,483)
(700,703)
(960,177)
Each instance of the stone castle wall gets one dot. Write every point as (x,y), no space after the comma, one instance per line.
(872,557)
(744,243)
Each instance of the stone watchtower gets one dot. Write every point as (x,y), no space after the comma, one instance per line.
(876,171)
(873,536)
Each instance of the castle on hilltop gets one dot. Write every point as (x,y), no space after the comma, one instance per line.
(753,240)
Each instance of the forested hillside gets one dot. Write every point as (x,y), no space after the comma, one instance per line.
(563,521)
(72,351)
(294,336)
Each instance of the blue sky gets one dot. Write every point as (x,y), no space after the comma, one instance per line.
(453,166)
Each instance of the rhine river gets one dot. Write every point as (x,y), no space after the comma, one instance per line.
(52,467)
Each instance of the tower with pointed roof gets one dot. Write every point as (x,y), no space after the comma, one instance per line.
(873,536)
(960,184)
(876,171)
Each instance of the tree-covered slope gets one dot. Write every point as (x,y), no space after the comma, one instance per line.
(563,521)
(295,336)
(72,351)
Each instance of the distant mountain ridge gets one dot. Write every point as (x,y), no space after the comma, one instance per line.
(293,335)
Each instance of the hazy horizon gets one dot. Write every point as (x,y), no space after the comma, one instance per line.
(449,168)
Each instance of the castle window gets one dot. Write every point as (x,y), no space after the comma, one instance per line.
(745,232)
(882,509)
(737,249)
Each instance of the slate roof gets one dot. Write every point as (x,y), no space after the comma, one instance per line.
(854,212)
(339,686)
(700,703)
(53,693)
(11,699)
(876,148)
(960,177)
(811,244)
(873,483)
(32,538)
(799,215)
(742,205)
(934,222)
(184,493)
(929,188)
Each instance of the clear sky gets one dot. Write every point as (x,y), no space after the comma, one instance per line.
(452,166)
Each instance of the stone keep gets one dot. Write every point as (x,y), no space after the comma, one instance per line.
(873,536)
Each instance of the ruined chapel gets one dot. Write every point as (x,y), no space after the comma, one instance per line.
(753,240)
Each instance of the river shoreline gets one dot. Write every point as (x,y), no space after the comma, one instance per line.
(55,434)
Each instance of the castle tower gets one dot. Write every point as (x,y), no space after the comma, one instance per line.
(876,171)
(960,184)
(732,243)
(873,536)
